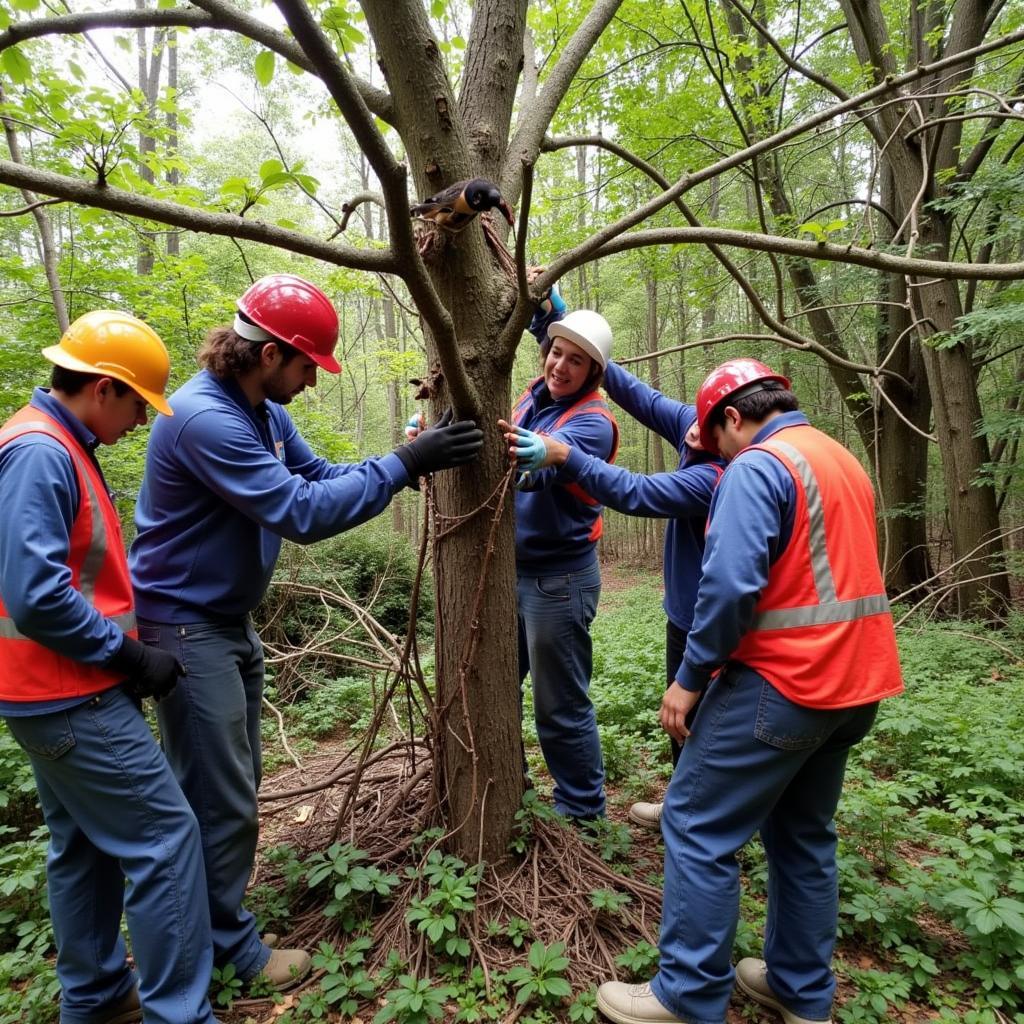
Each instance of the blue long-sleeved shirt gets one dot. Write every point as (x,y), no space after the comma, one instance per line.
(38,504)
(683,496)
(552,526)
(224,482)
(751,523)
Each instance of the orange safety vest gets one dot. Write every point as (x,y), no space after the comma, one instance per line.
(590,404)
(822,632)
(30,671)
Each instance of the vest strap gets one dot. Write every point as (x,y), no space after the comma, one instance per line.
(829,608)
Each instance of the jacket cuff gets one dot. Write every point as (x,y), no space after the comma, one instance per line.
(693,679)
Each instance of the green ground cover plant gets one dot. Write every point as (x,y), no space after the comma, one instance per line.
(931,837)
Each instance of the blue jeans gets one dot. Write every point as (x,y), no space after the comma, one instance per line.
(114,813)
(555,613)
(210,727)
(754,760)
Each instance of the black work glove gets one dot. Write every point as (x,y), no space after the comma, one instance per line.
(148,671)
(441,446)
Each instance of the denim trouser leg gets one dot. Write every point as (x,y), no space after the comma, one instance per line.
(799,838)
(555,613)
(115,812)
(753,756)
(210,726)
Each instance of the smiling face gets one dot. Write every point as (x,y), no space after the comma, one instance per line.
(566,368)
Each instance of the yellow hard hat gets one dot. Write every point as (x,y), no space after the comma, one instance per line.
(117,345)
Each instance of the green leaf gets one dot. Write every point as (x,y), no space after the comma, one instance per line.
(25,5)
(17,65)
(437,8)
(458,43)
(269,167)
(264,67)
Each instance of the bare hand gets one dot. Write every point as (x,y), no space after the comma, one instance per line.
(675,706)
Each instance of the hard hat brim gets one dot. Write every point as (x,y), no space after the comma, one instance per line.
(58,356)
(559,330)
(328,363)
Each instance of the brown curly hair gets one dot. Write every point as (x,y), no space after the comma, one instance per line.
(227,354)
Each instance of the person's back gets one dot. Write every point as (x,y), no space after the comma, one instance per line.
(225,482)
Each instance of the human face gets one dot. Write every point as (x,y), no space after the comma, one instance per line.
(116,415)
(566,368)
(284,381)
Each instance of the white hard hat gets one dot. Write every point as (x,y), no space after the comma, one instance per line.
(587,329)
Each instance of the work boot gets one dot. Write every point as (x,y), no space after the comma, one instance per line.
(632,1004)
(646,815)
(285,968)
(127,1010)
(752,980)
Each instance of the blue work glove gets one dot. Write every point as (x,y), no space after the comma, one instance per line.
(553,301)
(530,450)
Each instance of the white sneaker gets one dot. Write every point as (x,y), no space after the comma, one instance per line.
(646,815)
(632,1004)
(752,980)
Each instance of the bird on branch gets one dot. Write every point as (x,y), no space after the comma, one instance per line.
(453,208)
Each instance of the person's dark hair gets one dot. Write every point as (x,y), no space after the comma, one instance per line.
(227,354)
(594,379)
(71,382)
(755,407)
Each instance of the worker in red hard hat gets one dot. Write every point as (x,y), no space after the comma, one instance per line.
(225,480)
(792,646)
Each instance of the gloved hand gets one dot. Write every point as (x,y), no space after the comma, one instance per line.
(529,448)
(441,446)
(148,671)
(553,301)
(414,426)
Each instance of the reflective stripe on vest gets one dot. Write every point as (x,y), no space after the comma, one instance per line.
(30,670)
(829,608)
(97,553)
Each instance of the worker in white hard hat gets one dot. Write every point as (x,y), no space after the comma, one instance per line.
(559,581)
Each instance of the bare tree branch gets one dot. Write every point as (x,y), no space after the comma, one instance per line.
(892,264)
(351,205)
(178,215)
(585,251)
(215,14)
(534,121)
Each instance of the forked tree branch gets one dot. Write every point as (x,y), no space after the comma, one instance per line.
(176,214)
(534,121)
(604,241)
(214,14)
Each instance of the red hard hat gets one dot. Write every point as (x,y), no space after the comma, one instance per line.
(296,312)
(726,381)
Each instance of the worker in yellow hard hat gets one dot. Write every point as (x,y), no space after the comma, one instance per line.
(72,675)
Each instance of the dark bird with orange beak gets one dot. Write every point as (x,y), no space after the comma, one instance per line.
(454,207)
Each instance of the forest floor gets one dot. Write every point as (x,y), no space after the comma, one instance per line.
(901,958)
